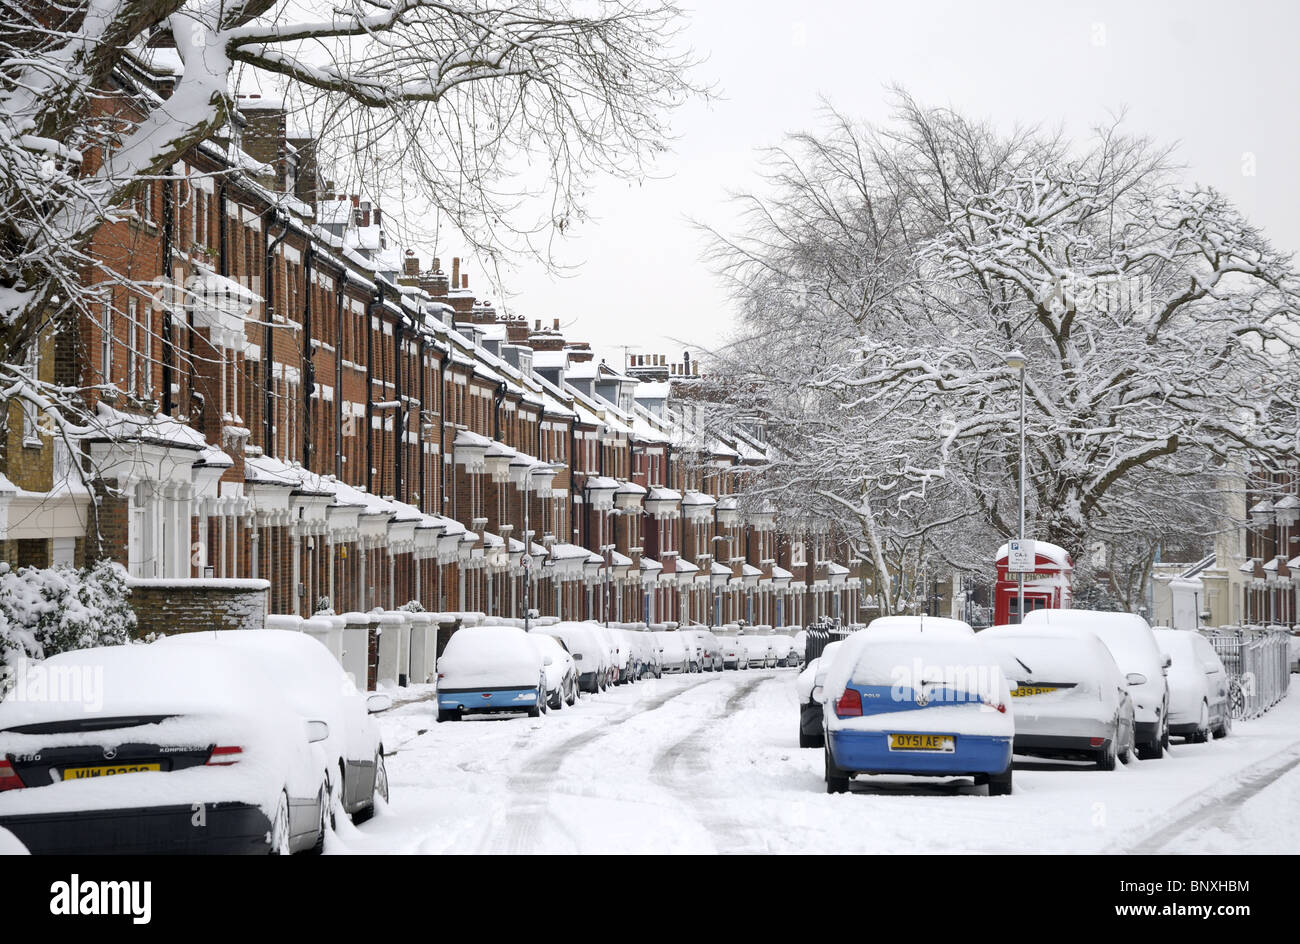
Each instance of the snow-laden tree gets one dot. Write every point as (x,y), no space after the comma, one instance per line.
(45,611)
(883,274)
(472,106)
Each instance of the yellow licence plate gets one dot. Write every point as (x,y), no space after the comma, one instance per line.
(922,742)
(83,773)
(1024,691)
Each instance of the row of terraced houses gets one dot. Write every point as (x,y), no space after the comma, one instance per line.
(294,414)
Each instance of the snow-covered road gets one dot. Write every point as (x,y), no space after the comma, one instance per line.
(710,763)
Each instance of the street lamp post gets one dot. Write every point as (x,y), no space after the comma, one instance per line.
(1016,361)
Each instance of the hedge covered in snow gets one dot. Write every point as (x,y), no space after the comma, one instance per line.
(45,611)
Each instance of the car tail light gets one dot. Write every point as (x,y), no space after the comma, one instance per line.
(1096,742)
(849,705)
(225,756)
(9,779)
(997,706)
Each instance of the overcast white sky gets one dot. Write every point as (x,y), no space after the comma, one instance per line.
(1218,79)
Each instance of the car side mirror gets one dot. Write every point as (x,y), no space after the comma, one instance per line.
(1169,660)
(1136,678)
(378,702)
(317,731)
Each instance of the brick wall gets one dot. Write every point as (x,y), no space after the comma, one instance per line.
(168,607)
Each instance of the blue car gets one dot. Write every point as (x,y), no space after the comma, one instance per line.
(490,670)
(921,700)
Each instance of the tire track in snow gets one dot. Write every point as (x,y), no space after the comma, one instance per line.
(665,762)
(519,832)
(1248,782)
(692,751)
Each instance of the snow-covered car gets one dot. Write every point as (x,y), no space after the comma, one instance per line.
(903,701)
(1131,642)
(1071,700)
(710,650)
(758,650)
(733,656)
(309,677)
(490,670)
(561,670)
(587,651)
(674,654)
(808,685)
(606,639)
(1198,686)
(782,649)
(646,653)
(694,650)
(622,655)
(159,749)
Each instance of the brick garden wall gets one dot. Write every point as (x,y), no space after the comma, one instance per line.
(168,607)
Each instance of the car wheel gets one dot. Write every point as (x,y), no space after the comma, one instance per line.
(1164,734)
(1225,727)
(837,781)
(1107,756)
(539,705)
(1202,732)
(810,740)
(448,714)
(318,847)
(278,837)
(1153,751)
(380,789)
(1000,784)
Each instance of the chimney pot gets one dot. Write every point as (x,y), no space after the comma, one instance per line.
(539,325)
(464,281)
(455,272)
(557,324)
(437,264)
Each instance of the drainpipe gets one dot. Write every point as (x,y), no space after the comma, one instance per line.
(308,361)
(338,377)
(376,305)
(268,399)
(399,418)
(168,214)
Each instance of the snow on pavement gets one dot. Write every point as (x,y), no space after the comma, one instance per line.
(710,764)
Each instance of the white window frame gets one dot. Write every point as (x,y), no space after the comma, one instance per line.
(132,354)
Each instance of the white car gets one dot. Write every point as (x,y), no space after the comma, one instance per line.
(561,670)
(759,653)
(782,649)
(922,703)
(808,685)
(587,650)
(141,739)
(1071,700)
(1131,642)
(606,638)
(490,670)
(314,683)
(733,654)
(1198,686)
(710,650)
(674,655)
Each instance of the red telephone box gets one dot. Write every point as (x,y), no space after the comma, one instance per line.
(1050,586)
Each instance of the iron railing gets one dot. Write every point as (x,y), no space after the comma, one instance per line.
(1258,664)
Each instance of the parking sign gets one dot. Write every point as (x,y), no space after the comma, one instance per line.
(1020,557)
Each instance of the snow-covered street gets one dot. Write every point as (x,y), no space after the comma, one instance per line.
(710,763)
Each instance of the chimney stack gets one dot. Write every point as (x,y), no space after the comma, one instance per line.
(411,265)
(437,264)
